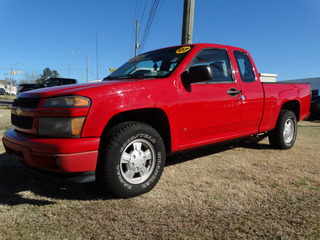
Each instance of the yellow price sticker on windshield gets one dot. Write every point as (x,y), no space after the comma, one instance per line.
(183,50)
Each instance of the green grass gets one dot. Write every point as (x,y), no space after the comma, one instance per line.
(310,128)
(8,97)
(5,107)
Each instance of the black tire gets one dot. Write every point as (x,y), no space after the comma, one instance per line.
(285,133)
(131,159)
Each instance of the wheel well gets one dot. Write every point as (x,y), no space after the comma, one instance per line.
(153,116)
(293,106)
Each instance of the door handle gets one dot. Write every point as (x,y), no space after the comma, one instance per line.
(233,92)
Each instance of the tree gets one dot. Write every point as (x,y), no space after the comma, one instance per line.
(14,82)
(47,73)
(30,77)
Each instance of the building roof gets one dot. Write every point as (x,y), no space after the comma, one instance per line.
(314,82)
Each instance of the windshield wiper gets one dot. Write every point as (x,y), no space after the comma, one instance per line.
(134,76)
(129,76)
(110,78)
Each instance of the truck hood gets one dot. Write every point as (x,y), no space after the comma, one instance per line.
(72,89)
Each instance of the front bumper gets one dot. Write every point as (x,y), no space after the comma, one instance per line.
(54,154)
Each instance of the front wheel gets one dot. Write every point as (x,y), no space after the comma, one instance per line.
(285,133)
(131,159)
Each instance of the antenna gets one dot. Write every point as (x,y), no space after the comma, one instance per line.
(97,55)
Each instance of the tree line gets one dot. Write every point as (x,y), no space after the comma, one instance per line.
(39,78)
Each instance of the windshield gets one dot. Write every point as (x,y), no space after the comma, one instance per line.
(155,64)
(52,82)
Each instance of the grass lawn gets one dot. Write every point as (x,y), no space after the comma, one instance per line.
(8,97)
(232,191)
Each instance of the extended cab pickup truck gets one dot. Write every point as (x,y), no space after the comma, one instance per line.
(120,130)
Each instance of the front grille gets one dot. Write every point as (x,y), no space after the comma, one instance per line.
(22,121)
(26,102)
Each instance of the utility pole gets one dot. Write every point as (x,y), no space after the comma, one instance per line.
(187,25)
(13,73)
(11,81)
(136,45)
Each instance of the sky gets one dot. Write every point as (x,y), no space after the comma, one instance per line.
(282,36)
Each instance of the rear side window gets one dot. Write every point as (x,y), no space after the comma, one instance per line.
(245,67)
(218,60)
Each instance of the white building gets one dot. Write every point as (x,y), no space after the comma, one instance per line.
(6,85)
(314,84)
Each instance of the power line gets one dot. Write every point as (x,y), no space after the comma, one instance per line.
(132,49)
(152,14)
(149,23)
(140,16)
(144,9)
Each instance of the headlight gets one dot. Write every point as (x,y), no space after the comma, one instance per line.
(61,127)
(67,102)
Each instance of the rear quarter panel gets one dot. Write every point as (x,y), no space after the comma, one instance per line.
(276,95)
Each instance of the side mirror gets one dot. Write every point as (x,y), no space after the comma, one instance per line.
(199,73)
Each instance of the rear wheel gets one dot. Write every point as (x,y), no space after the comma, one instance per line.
(131,159)
(285,133)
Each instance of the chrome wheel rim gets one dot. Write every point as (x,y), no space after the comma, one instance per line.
(137,161)
(288,131)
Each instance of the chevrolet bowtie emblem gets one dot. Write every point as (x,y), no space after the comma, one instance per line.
(18,111)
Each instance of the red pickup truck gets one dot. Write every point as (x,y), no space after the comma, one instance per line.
(120,130)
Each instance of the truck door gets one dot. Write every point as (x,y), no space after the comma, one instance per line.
(211,110)
(252,93)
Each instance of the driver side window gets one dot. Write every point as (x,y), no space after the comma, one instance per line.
(219,62)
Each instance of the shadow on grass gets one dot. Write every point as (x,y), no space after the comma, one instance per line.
(20,186)
(189,155)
